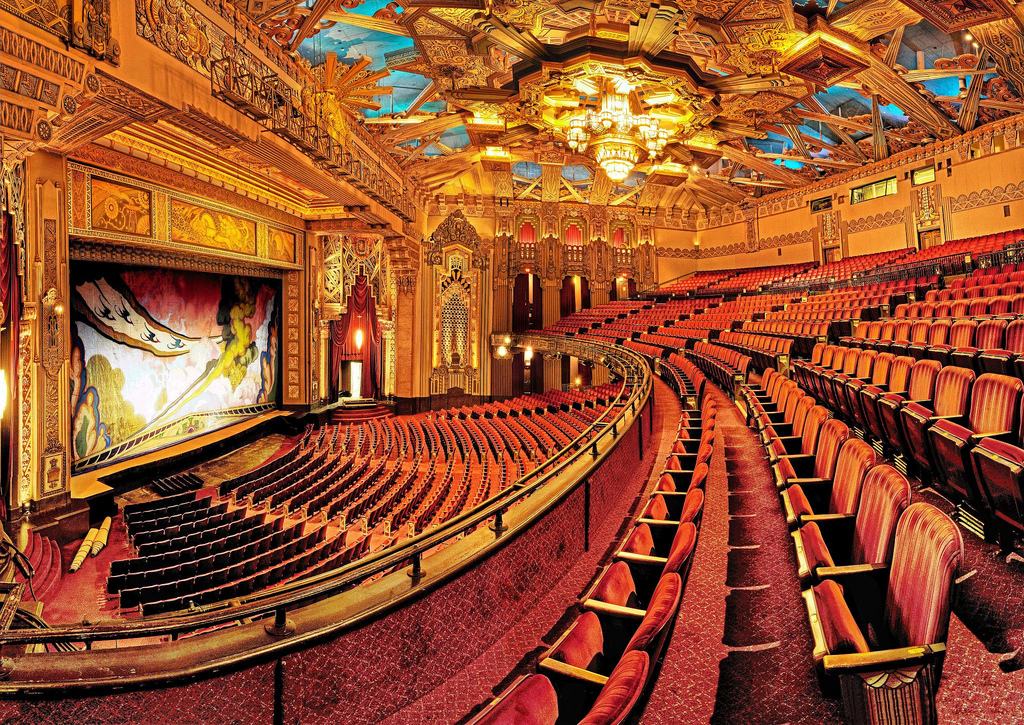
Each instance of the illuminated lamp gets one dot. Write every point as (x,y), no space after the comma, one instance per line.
(359,339)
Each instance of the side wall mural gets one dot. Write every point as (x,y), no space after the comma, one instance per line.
(159,356)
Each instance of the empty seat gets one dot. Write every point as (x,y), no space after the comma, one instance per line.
(838,494)
(822,464)
(952,399)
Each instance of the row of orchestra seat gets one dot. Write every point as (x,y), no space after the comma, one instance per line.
(878,573)
(599,667)
(722,365)
(764,350)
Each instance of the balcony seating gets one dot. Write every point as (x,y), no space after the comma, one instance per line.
(903,629)
(802,442)
(892,379)
(1006,358)
(879,376)
(994,413)
(836,494)
(839,540)
(822,464)
(952,400)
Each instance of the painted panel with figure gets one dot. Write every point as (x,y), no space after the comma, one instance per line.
(192,224)
(159,356)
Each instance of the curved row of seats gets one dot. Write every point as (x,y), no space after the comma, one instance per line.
(999,303)
(878,572)
(721,364)
(764,350)
(597,670)
(961,429)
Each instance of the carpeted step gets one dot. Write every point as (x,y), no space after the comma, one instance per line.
(38,550)
(42,568)
(47,585)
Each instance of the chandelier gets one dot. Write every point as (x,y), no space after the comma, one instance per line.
(616,137)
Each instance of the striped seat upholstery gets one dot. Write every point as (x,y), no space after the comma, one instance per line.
(952,398)
(809,433)
(999,465)
(989,336)
(847,392)
(884,496)
(1006,360)
(938,334)
(961,334)
(840,495)
(995,412)
(920,388)
(822,464)
(918,335)
(888,371)
(531,700)
(927,555)
(621,692)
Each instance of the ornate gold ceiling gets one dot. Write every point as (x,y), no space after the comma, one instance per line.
(760,94)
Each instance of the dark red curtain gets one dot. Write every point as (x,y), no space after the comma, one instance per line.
(586,374)
(613,293)
(521,303)
(361,315)
(537,374)
(10,297)
(566,369)
(518,373)
(631,287)
(537,308)
(567,299)
(584,294)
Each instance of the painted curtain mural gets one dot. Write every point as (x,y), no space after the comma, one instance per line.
(159,356)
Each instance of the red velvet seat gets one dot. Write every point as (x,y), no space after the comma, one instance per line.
(938,334)
(989,336)
(834,433)
(920,389)
(999,468)
(952,400)
(825,542)
(530,700)
(848,390)
(890,375)
(902,631)
(836,494)
(961,335)
(994,413)
(918,335)
(1005,360)
(803,441)
(621,692)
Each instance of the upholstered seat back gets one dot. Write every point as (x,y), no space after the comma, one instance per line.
(901,332)
(639,541)
(583,643)
(995,407)
(616,586)
(962,333)
(621,692)
(681,551)
(990,334)
(1015,337)
(693,505)
(699,478)
(926,558)
(817,352)
(803,407)
(888,327)
(899,374)
(865,363)
(883,498)
(851,360)
(854,460)
(791,403)
(919,331)
(662,608)
(938,333)
(827,354)
(922,380)
(533,701)
(953,391)
(839,358)
(812,429)
(881,369)
(834,434)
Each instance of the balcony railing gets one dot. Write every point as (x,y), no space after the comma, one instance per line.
(264,616)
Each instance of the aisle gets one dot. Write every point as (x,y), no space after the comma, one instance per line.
(741,649)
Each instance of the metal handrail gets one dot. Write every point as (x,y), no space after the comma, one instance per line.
(289,596)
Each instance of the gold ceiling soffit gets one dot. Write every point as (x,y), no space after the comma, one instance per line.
(867,19)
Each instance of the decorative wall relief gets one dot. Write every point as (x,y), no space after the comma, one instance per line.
(159,356)
(988,197)
(104,206)
(54,16)
(877,221)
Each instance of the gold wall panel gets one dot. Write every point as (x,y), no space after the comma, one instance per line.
(121,208)
(211,228)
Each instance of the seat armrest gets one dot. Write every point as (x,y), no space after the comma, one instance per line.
(886,659)
(576,673)
(613,610)
(657,522)
(958,419)
(923,403)
(1006,436)
(802,463)
(642,559)
(836,531)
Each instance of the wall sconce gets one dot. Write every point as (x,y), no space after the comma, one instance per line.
(528,355)
(502,351)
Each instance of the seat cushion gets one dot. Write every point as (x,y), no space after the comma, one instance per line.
(583,643)
(842,633)
(815,550)
(616,585)
(663,606)
(621,692)
(798,500)
(682,548)
(531,701)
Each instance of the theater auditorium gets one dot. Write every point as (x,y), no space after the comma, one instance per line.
(512,362)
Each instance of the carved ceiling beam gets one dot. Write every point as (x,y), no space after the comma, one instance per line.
(730,126)
(308,27)
(573,192)
(751,182)
(817,109)
(868,19)
(367,22)
(831,163)
(793,132)
(762,166)
(968,117)
(1011,106)
(408,132)
(744,83)
(884,81)
(425,143)
(931,74)
(601,189)
(526,192)
(878,140)
(509,39)
(1005,41)
(893,51)
(824,145)
(654,32)
(627,196)
(832,4)
(422,97)
(719,188)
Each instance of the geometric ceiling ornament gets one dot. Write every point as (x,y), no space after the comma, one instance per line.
(950,16)
(822,61)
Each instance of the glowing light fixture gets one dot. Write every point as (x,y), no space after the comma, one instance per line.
(3,392)
(359,339)
(528,355)
(579,381)
(502,351)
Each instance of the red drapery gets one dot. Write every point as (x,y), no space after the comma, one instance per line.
(537,307)
(361,315)
(567,299)
(10,297)
(584,294)
(631,288)
(573,235)
(521,303)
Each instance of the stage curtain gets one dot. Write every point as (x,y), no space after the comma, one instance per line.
(518,373)
(521,303)
(631,287)
(567,299)
(586,374)
(573,235)
(613,292)
(361,315)
(584,293)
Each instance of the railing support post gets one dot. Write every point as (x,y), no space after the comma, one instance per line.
(498,526)
(281,626)
(416,570)
(586,514)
